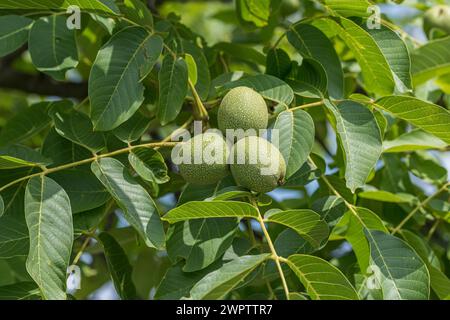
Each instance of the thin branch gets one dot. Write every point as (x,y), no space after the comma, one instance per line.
(89,160)
(275,256)
(418,207)
(308,105)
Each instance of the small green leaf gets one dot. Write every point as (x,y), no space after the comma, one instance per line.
(62,151)
(25,124)
(322,280)
(306,223)
(426,167)
(137,12)
(360,138)
(52,46)
(312,43)
(241,52)
(176,284)
(295,138)
(62,5)
(217,284)
(173,88)
(115,88)
(149,165)
(397,269)
(14,33)
(424,115)
(137,205)
(203,82)
(375,69)
(76,126)
(278,63)
(17,156)
(363,220)
(256,12)
(330,208)
(348,8)
(192,68)
(119,267)
(83,188)
(49,217)
(414,140)
(200,242)
(20,291)
(386,196)
(211,209)
(431,60)
(269,87)
(132,129)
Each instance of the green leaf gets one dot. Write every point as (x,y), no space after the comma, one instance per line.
(200,242)
(210,209)
(296,138)
(217,284)
(269,87)
(414,140)
(115,88)
(173,88)
(398,270)
(364,219)
(256,12)
(137,205)
(313,43)
(314,80)
(132,129)
(119,267)
(330,208)
(87,5)
(347,8)
(2,206)
(52,46)
(13,235)
(149,165)
(203,82)
(25,124)
(20,291)
(308,224)
(278,63)
(192,68)
(322,280)
(83,188)
(49,217)
(431,60)
(375,69)
(76,126)
(137,12)
(307,173)
(176,284)
(241,52)
(426,167)
(396,53)
(424,115)
(439,283)
(14,33)
(386,196)
(62,151)
(360,138)
(17,156)
(422,248)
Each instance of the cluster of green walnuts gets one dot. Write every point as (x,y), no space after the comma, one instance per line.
(254,162)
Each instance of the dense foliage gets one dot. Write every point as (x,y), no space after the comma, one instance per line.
(88,188)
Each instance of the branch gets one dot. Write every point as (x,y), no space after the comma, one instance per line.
(41,84)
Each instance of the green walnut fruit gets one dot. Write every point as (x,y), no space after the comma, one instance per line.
(203,159)
(257,164)
(437,17)
(243,108)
